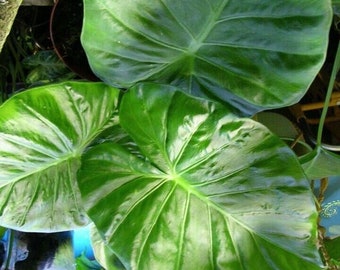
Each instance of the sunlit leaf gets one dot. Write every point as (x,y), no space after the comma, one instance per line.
(43,133)
(205,190)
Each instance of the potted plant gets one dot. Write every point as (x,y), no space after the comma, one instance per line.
(161,156)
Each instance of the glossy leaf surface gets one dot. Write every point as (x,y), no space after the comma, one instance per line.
(249,54)
(198,188)
(43,132)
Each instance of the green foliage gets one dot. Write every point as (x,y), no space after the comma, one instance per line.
(189,189)
(320,162)
(333,248)
(172,179)
(45,67)
(248,54)
(43,132)
(103,253)
(83,263)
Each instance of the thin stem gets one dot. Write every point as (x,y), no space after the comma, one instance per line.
(328,96)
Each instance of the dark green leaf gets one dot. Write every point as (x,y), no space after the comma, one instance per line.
(250,54)
(333,248)
(43,133)
(209,191)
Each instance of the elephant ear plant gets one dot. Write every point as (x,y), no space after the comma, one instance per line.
(170,171)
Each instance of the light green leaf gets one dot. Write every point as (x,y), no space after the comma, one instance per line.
(320,163)
(249,54)
(206,190)
(43,133)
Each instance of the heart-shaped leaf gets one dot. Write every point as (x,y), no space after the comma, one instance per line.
(205,190)
(247,53)
(43,132)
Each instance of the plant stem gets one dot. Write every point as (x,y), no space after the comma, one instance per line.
(328,96)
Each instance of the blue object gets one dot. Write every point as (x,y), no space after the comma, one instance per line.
(82,243)
(330,215)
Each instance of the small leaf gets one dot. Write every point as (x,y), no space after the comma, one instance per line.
(43,132)
(206,190)
(83,263)
(320,163)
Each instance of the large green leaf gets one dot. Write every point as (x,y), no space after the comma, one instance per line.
(205,190)
(43,132)
(247,53)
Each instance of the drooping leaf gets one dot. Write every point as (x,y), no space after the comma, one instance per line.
(320,163)
(250,54)
(43,132)
(206,190)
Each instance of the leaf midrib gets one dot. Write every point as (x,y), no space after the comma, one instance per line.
(196,44)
